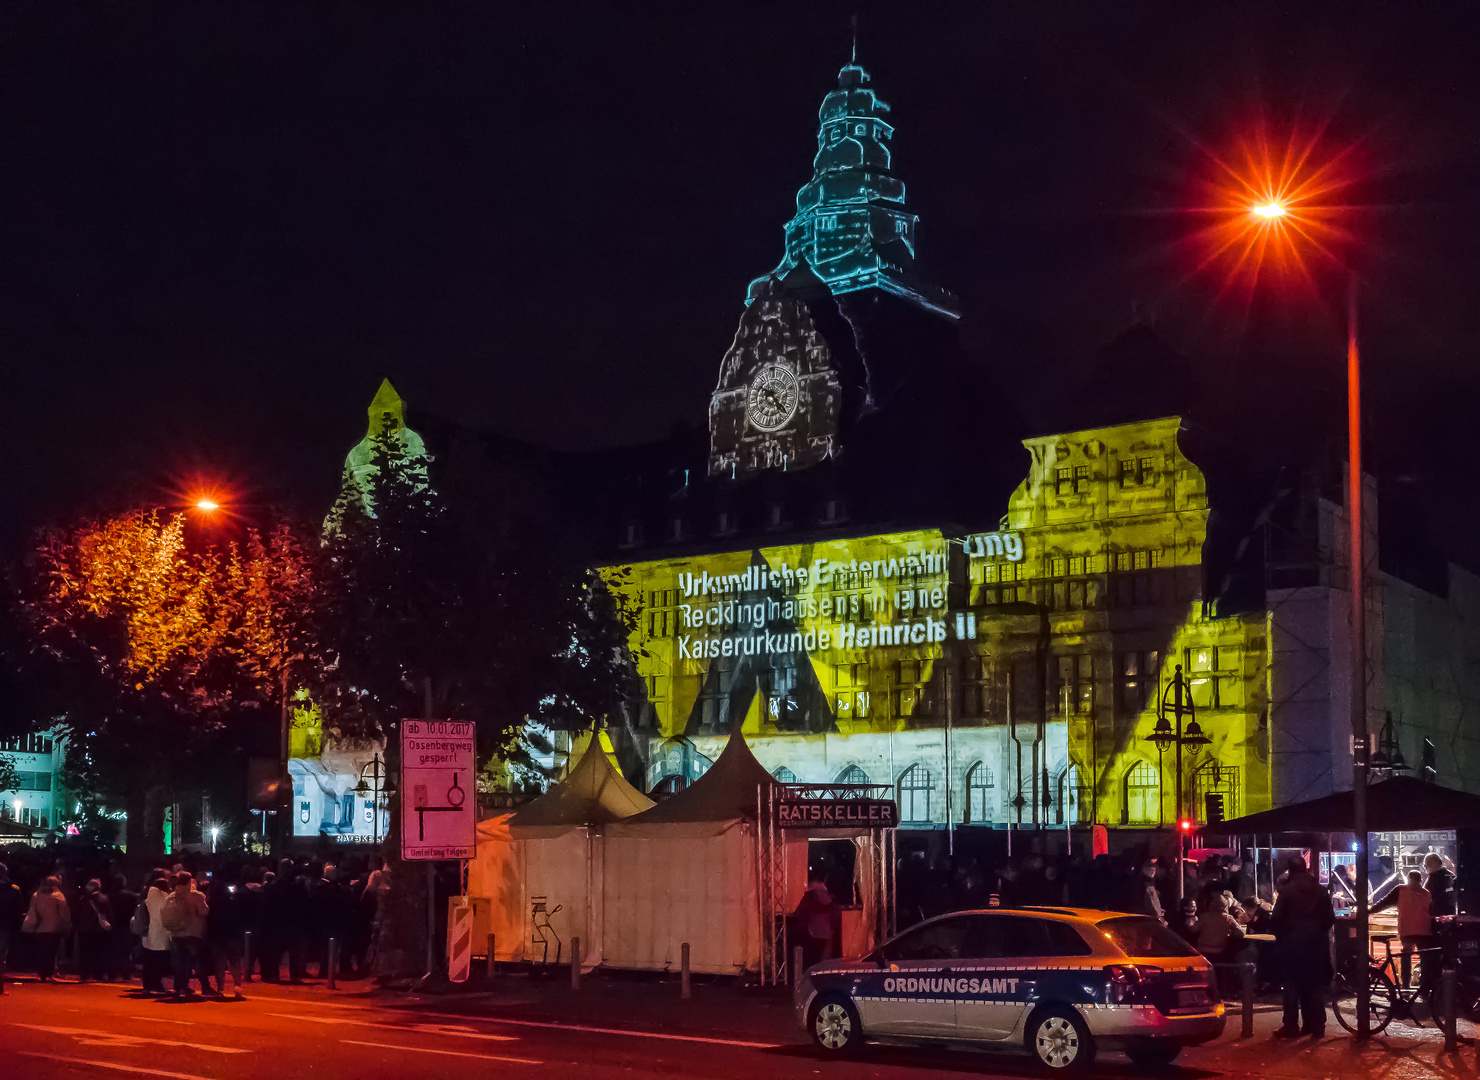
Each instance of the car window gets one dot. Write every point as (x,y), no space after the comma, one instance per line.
(942,940)
(1017,935)
(1141,935)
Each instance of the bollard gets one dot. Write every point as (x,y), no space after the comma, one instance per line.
(247,956)
(333,962)
(796,966)
(575,963)
(490,956)
(1247,996)
(1450,1022)
(683,971)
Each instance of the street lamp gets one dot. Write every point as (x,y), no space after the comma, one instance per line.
(1173,703)
(215,833)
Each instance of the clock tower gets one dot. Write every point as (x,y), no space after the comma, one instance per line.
(798,377)
(780,395)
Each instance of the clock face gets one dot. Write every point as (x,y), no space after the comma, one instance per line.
(772,399)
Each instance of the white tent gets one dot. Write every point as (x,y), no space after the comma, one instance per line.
(545,849)
(685,871)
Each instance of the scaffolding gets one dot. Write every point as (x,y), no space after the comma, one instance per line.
(875,852)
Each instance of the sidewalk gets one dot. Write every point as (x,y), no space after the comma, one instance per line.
(723,1012)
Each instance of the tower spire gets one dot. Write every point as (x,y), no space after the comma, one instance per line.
(851,226)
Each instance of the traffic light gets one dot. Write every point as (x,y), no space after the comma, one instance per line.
(1185,825)
(1213,809)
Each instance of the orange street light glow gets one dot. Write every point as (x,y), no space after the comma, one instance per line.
(1274,205)
(207,505)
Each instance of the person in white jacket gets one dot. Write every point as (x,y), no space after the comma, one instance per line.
(156,940)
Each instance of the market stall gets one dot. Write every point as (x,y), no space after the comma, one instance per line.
(535,882)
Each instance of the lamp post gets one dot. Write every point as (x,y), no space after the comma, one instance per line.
(375,789)
(1173,703)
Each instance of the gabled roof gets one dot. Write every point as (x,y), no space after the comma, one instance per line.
(592,793)
(727,791)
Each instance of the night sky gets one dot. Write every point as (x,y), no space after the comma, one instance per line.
(221,225)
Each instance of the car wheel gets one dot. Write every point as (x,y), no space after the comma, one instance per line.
(834,1025)
(1152,1053)
(1058,1039)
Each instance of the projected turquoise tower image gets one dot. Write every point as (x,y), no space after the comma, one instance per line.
(851,226)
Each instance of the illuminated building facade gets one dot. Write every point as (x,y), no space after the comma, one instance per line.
(878,570)
(882,581)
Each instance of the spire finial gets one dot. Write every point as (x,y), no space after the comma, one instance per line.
(853,23)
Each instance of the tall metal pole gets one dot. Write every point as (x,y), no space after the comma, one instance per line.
(1359,638)
(426,687)
(1177,818)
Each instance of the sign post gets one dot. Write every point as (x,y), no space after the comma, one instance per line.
(438,811)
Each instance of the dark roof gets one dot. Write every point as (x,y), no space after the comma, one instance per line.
(1401,804)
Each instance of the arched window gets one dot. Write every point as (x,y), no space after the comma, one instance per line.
(1075,798)
(784,775)
(1143,795)
(916,784)
(852,775)
(981,794)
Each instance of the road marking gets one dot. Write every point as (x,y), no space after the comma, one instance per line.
(446,1053)
(163,1020)
(458,1030)
(138,1070)
(710,1039)
(114,1038)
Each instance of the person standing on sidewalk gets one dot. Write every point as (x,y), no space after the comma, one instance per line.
(154,938)
(1415,921)
(92,917)
(1440,885)
(184,916)
(12,911)
(48,920)
(1302,921)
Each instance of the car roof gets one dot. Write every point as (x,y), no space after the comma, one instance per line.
(1054,914)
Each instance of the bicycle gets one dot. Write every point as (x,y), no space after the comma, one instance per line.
(1388,998)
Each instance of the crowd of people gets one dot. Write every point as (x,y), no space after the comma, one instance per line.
(192,924)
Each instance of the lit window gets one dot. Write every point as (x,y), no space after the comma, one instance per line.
(915,788)
(1142,795)
(784,775)
(981,793)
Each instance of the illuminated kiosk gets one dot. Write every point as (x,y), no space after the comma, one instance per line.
(710,867)
(549,849)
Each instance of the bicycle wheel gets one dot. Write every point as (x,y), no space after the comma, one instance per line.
(1344,1001)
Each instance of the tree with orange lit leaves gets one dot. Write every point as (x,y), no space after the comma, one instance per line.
(160,655)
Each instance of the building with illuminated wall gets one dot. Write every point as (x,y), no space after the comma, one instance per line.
(883,574)
(880,579)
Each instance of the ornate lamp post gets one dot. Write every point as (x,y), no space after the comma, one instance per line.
(1173,703)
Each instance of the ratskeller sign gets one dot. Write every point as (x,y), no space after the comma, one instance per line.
(837,813)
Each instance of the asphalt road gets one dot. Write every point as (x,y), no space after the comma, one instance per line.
(67,1030)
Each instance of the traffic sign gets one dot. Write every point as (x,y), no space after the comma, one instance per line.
(438,810)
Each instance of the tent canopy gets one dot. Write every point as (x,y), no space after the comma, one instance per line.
(593,793)
(727,791)
(1400,804)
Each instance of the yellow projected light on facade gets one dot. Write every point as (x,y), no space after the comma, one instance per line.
(998,677)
